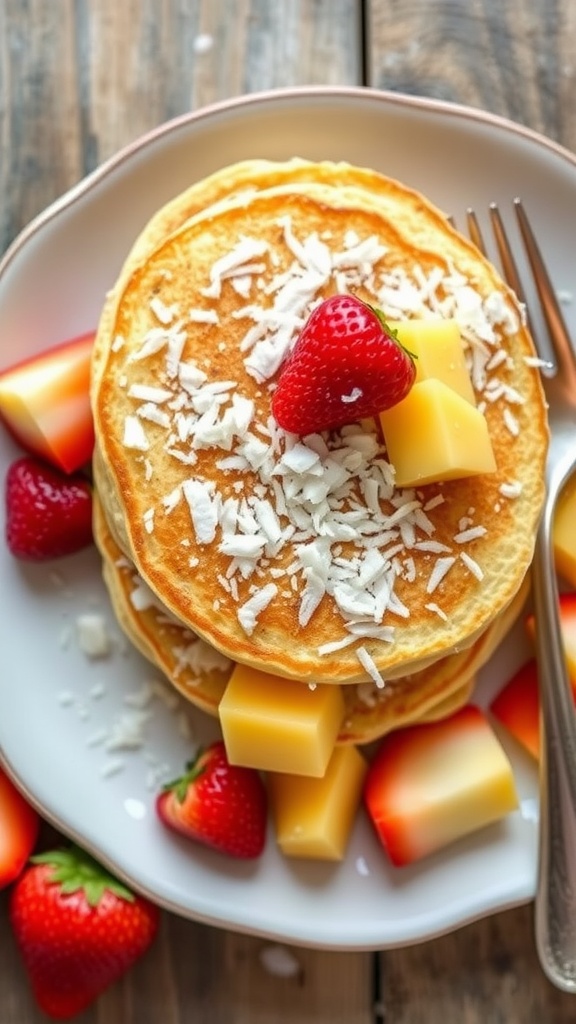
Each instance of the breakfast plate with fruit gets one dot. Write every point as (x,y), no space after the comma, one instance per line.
(272,445)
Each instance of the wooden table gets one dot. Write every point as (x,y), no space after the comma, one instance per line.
(78,80)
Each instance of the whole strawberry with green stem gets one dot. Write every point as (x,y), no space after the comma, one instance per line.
(217,804)
(346,365)
(78,929)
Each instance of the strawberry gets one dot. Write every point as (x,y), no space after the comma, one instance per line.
(19,826)
(346,364)
(45,403)
(431,784)
(217,804)
(77,928)
(48,514)
(517,705)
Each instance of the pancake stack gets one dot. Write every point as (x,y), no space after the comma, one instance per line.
(226,540)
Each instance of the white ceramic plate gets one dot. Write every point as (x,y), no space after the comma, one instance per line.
(55,703)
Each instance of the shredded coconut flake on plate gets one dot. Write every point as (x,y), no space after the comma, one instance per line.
(93,635)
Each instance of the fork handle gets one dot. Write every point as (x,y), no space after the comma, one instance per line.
(555,906)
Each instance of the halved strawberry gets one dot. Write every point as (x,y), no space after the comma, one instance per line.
(517,707)
(45,403)
(428,785)
(217,804)
(19,825)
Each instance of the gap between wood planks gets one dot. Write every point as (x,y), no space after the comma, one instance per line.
(365,48)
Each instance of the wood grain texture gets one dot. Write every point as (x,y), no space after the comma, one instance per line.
(79,79)
(486,972)
(515,59)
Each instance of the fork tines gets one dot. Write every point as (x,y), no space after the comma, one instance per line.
(550,306)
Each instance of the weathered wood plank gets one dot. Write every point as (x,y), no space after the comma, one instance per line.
(487,971)
(80,80)
(514,59)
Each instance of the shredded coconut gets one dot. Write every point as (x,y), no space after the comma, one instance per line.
(93,635)
(280,961)
(370,666)
(511,489)
(441,567)
(473,533)
(472,565)
(433,607)
(511,422)
(354,395)
(248,612)
(355,537)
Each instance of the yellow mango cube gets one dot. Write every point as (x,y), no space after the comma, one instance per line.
(564,534)
(438,352)
(434,434)
(314,817)
(279,725)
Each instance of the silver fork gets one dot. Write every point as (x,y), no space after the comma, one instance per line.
(555,905)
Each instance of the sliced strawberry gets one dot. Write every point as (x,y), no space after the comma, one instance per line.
(428,785)
(346,365)
(217,804)
(19,825)
(45,404)
(568,629)
(517,707)
(48,514)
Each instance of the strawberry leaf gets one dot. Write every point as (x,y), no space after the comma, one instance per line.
(390,331)
(75,870)
(194,769)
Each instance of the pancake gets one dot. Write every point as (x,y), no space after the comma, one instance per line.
(429,695)
(299,556)
(243,179)
(197,670)
(200,673)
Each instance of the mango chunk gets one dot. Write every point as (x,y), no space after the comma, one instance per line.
(438,351)
(279,725)
(564,534)
(314,817)
(434,434)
